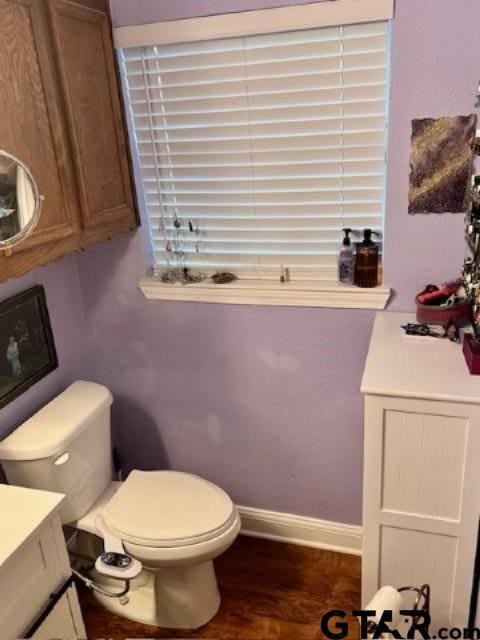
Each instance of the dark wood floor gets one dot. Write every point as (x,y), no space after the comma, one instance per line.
(270,591)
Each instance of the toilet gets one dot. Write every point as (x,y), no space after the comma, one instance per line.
(175,524)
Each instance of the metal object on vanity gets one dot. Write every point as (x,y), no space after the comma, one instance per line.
(20,200)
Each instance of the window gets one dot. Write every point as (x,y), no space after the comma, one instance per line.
(254,152)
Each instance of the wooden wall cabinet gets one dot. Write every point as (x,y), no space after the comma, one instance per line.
(421,474)
(94,113)
(62,115)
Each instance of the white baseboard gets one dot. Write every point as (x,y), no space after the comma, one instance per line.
(309,532)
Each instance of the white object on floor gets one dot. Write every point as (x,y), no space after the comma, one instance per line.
(421,474)
(386,599)
(174,524)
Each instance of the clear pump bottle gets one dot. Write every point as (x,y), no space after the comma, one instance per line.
(346,260)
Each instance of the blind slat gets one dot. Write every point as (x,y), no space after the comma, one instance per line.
(285,134)
(229,229)
(279,204)
(266,77)
(261,169)
(301,220)
(276,120)
(247,257)
(358,101)
(155,178)
(231,237)
(157,97)
(264,152)
(334,55)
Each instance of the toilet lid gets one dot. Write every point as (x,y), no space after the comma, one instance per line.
(168,508)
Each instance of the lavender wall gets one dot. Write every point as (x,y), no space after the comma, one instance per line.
(265,401)
(126,12)
(435,70)
(66,314)
(262,401)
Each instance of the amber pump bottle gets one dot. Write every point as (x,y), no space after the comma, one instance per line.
(367,260)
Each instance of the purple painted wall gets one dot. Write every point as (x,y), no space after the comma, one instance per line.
(435,70)
(253,398)
(126,12)
(265,401)
(66,314)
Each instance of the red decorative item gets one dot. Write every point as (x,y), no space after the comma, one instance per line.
(471,351)
(439,295)
(460,314)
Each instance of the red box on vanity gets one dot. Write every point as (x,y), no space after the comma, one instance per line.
(471,351)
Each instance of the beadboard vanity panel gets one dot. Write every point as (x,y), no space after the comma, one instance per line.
(421,475)
(430,558)
(419,450)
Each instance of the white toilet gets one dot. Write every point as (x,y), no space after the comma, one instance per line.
(174,523)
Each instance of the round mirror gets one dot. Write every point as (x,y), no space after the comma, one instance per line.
(20,200)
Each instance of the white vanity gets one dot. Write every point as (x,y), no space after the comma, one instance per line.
(421,468)
(38,599)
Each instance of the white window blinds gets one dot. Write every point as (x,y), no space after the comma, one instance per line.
(254,152)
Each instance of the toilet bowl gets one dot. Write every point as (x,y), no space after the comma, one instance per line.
(175,524)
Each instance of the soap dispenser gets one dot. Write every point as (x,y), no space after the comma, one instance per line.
(346,259)
(367,261)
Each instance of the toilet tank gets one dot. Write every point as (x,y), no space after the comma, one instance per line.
(65,447)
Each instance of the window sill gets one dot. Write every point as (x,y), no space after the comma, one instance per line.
(291,294)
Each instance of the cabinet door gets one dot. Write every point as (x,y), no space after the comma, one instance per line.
(28,579)
(87,66)
(33,128)
(64,622)
(421,504)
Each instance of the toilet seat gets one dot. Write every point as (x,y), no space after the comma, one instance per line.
(168,509)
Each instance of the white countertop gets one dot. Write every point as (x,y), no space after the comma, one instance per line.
(22,511)
(415,367)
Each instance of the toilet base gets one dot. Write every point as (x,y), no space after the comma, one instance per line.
(176,598)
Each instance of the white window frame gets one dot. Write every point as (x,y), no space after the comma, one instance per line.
(320,14)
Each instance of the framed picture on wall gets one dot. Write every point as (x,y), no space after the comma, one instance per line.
(27,348)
